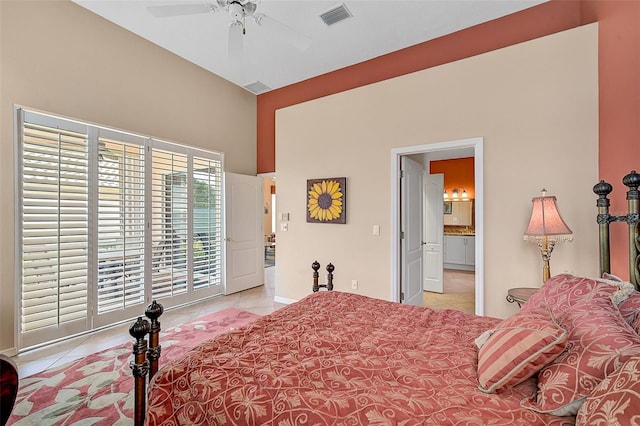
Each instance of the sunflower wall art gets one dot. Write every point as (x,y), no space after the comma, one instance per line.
(326,200)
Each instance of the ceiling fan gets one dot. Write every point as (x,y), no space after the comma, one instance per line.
(238,11)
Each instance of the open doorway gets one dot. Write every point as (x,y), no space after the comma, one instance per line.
(269,226)
(457,193)
(433,152)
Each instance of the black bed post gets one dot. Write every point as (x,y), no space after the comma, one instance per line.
(329,285)
(603,189)
(330,269)
(140,367)
(315,266)
(632,181)
(153,312)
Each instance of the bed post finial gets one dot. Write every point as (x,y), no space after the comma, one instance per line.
(139,367)
(153,312)
(316,267)
(330,269)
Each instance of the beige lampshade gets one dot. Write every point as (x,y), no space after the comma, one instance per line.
(546,221)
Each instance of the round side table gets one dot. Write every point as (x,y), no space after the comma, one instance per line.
(520,295)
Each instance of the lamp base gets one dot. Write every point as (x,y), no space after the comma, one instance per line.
(546,247)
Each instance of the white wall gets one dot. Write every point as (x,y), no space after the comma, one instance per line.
(536,106)
(58,57)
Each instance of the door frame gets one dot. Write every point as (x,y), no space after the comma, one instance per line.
(477,145)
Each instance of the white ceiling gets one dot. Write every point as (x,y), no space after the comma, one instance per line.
(376,28)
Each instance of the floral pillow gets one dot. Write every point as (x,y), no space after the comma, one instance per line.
(630,310)
(518,348)
(615,399)
(563,291)
(599,341)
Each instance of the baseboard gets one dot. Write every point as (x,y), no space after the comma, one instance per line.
(284,300)
(459,267)
(9,352)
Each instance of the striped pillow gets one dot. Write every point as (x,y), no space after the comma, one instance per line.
(518,348)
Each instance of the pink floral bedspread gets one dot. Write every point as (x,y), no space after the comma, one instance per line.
(339,359)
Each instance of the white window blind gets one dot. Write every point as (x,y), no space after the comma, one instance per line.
(207,222)
(169,224)
(109,220)
(121,224)
(54,225)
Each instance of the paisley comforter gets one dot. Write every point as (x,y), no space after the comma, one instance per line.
(339,359)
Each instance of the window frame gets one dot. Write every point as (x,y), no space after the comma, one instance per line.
(95,320)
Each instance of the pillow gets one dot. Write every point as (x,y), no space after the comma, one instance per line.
(560,292)
(608,276)
(630,309)
(599,341)
(624,288)
(518,348)
(615,399)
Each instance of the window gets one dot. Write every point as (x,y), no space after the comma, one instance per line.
(108,221)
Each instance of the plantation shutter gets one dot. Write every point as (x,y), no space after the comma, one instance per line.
(121,222)
(107,221)
(169,223)
(207,222)
(55,227)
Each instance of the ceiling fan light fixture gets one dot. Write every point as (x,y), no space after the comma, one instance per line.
(236,11)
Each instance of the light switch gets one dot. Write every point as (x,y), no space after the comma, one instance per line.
(284,217)
(284,227)
(376,229)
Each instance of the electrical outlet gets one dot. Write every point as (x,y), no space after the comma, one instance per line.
(354,284)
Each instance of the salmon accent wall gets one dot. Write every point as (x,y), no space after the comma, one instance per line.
(619,109)
(458,173)
(619,83)
(545,19)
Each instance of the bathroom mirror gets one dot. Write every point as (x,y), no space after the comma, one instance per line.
(458,213)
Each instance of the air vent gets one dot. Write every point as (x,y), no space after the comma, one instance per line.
(257,87)
(335,15)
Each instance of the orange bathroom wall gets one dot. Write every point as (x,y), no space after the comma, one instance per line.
(458,174)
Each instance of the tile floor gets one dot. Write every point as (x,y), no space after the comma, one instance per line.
(459,294)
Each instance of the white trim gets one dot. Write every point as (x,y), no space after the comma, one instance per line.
(396,153)
(10,351)
(284,300)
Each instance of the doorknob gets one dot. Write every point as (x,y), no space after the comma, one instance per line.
(228,239)
(423,243)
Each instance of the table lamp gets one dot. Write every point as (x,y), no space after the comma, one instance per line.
(546,228)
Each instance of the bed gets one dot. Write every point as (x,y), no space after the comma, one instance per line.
(571,355)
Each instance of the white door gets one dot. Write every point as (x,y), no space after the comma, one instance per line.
(433,232)
(244,235)
(411,225)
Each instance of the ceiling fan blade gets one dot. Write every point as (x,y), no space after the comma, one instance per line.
(236,35)
(283,32)
(182,9)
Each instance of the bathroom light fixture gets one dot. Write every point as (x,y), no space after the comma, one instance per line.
(445,195)
(454,194)
(464,194)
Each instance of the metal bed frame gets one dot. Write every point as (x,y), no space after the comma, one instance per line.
(632,218)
